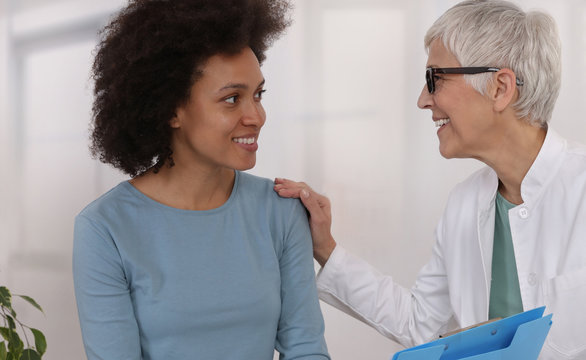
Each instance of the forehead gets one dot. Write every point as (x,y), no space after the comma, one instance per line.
(242,67)
(439,56)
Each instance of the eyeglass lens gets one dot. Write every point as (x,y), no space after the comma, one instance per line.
(430,80)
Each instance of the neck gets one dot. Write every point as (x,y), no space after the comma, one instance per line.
(187,188)
(516,149)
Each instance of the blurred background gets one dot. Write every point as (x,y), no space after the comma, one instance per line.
(342,116)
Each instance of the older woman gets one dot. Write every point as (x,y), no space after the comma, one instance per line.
(192,258)
(513,235)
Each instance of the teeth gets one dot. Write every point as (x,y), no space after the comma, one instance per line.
(441,122)
(244,140)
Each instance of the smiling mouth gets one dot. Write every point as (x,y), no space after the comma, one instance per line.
(248,141)
(441,122)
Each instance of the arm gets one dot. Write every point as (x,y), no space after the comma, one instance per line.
(320,216)
(105,309)
(301,328)
(352,285)
(408,316)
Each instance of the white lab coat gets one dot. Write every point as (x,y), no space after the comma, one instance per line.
(453,288)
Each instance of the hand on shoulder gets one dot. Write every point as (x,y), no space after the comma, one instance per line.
(320,215)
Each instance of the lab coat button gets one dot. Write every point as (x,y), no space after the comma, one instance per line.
(532,279)
(523,213)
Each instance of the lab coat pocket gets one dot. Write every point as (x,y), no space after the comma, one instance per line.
(565,297)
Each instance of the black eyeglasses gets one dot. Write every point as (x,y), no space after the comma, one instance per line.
(430,74)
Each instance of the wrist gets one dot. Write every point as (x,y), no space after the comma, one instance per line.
(322,253)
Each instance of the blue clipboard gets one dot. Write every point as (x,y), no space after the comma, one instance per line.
(520,336)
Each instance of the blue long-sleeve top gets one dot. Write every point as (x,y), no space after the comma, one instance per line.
(154,282)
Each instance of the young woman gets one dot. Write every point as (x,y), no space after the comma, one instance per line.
(192,258)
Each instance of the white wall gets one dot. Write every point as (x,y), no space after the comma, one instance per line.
(4,131)
(342,87)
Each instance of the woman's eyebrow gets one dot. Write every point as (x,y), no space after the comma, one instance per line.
(239,86)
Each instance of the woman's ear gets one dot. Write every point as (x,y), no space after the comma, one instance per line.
(175,123)
(504,91)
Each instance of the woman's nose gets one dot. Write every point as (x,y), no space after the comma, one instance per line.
(425,99)
(254,114)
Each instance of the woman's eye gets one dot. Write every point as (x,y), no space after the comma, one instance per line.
(259,94)
(231,99)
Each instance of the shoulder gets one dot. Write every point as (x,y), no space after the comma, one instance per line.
(564,160)
(252,182)
(572,168)
(576,152)
(109,205)
(256,188)
(257,193)
(93,227)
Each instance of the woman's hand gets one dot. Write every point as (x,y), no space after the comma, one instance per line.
(320,216)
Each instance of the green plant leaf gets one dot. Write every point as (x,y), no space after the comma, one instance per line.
(5,332)
(15,345)
(11,323)
(12,338)
(2,351)
(5,297)
(12,348)
(40,341)
(30,354)
(31,301)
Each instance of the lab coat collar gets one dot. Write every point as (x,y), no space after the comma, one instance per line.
(544,168)
(540,173)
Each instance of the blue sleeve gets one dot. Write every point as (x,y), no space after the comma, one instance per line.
(106,315)
(301,327)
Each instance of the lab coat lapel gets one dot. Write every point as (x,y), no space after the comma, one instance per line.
(485,223)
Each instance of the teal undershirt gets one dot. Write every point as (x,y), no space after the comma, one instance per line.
(505,295)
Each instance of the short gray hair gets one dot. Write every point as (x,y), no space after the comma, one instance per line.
(498,33)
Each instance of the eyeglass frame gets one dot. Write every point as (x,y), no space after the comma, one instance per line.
(431,71)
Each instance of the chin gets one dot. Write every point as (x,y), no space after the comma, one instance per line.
(444,153)
(451,152)
(452,155)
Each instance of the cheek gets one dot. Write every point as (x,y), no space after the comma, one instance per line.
(460,110)
(217,123)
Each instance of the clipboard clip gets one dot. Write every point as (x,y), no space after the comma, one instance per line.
(450,333)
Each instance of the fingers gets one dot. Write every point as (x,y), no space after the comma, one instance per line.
(288,188)
(288,193)
(317,205)
(281,181)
